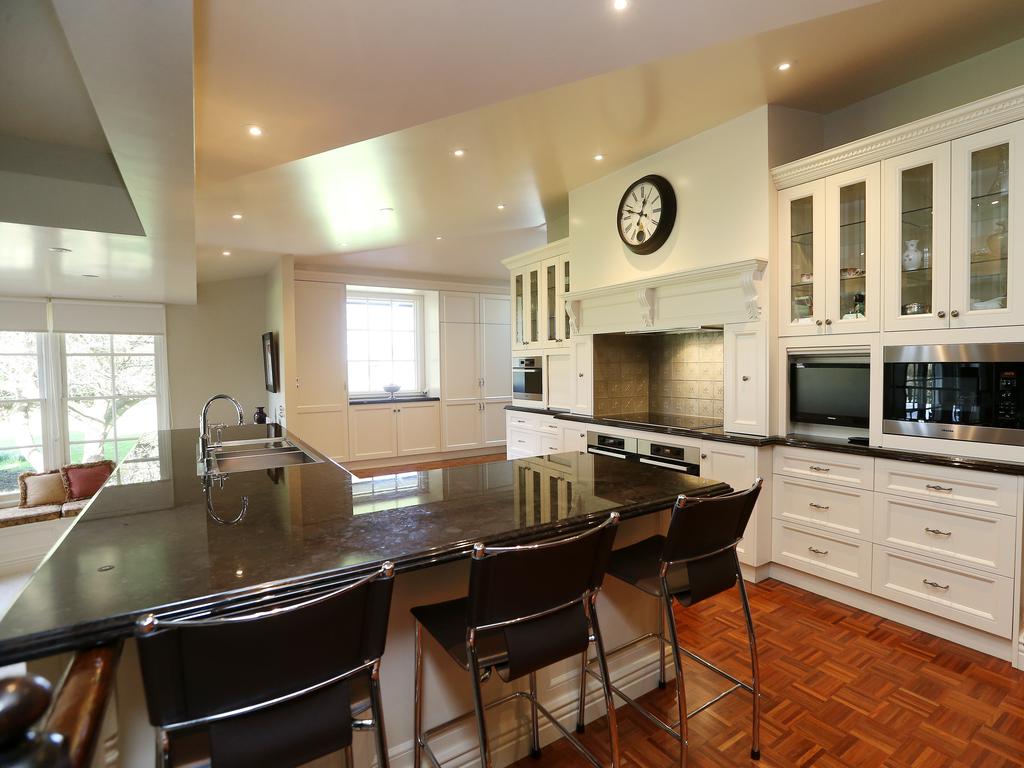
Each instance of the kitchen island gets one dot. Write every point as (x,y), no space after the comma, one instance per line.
(157,539)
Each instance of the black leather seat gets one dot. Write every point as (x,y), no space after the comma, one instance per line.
(637,564)
(252,689)
(528,607)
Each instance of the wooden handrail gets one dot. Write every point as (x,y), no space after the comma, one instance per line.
(81,701)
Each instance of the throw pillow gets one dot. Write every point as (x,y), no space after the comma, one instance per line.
(39,488)
(82,481)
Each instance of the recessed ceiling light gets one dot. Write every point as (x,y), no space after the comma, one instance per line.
(501,206)
(90,275)
(225,253)
(620,5)
(236,216)
(255,130)
(459,152)
(784,66)
(239,573)
(599,157)
(57,249)
(439,238)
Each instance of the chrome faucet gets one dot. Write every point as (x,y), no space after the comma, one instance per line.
(204,437)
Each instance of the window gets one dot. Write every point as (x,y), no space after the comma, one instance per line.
(385,343)
(22,396)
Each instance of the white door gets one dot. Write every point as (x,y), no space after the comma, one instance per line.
(460,366)
(494,309)
(802,260)
(373,431)
(418,428)
(457,307)
(462,425)
(496,361)
(551,323)
(737,466)
(915,239)
(574,437)
(583,362)
(320,387)
(560,374)
(493,423)
(852,241)
(987,260)
(746,379)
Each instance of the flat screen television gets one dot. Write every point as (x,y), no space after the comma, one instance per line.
(829,391)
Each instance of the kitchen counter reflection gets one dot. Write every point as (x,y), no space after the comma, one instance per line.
(152,546)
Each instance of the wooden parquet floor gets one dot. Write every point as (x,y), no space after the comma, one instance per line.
(840,687)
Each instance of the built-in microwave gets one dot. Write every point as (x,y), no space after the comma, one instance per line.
(955,391)
(528,378)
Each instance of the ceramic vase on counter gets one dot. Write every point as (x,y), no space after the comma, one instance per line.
(913,258)
(260,416)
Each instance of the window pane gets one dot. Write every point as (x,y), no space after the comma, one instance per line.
(19,377)
(358,377)
(135,375)
(404,346)
(136,344)
(83,452)
(17,341)
(378,314)
(358,345)
(356,314)
(20,424)
(135,417)
(90,420)
(405,318)
(13,463)
(88,343)
(380,376)
(405,375)
(89,377)
(380,345)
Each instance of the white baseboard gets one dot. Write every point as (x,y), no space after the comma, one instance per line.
(1019,661)
(1000,647)
(634,672)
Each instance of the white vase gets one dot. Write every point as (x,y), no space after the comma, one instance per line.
(912,256)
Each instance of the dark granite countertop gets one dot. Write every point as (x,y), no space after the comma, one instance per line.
(805,441)
(541,411)
(393,401)
(150,545)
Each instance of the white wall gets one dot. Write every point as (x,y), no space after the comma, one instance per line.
(214,346)
(723,190)
(279,307)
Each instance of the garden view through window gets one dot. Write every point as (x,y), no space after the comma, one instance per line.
(384,344)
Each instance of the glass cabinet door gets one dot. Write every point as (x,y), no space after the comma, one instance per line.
(565,290)
(551,324)
(985,281)
(533,306)
(851,251)
(915,244)
(800,249)
(519,308)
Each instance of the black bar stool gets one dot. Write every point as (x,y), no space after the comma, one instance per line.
(528,607)
(697,560)
(279,686)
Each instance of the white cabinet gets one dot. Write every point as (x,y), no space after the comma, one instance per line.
(460,362)
(492,417)
(583,361)
(495,362)
(574,437)
(739,466)
(320,387)
(459,307)
(539,281)
(526,308)
(746,379)
(559,379)
(382,431)
(462,425)
(829,254)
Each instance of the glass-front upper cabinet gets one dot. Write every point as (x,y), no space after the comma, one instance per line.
(987,275)
(915,239)
(852,227)
(527,307)
(552,321)
(801,253)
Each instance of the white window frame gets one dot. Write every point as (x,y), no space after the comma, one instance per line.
(419,333)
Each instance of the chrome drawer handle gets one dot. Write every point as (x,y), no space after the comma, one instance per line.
(935,584)
(817,551)
(942,488)
(937,532)
(816,468)
(822,507)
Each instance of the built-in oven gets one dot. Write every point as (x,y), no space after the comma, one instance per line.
(955,391)
(680,458)
(528,378)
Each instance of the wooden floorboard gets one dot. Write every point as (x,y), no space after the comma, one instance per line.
(840,687)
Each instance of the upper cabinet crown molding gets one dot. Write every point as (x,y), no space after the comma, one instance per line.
(554,248)
(952,124)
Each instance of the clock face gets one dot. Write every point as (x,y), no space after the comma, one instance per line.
(646,214)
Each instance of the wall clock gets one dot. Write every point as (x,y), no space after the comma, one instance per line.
(646,214)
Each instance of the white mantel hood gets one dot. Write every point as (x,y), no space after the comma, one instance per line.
(727,293)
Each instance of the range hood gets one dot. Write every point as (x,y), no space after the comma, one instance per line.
(677,302)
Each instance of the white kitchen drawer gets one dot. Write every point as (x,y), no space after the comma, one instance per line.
(522,420)
(524,442)
(833,557)
(970,537)
(828,466)
(548,425)
(976,598)
(966,487)
(846,511)
(550,443)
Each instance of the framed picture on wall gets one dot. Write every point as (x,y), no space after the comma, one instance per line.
(270,361)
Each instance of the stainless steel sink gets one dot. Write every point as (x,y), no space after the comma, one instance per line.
(250,455)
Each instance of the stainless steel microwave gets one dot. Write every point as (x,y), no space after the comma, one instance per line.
(955,392)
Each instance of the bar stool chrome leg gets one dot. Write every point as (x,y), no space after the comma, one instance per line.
(755,749)
(582,705)
(661,646)
(478,702)
(684,730)
(377,708)
(606,684)
(534,720)
(417,725)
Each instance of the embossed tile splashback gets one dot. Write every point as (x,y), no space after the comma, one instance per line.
(679,373)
